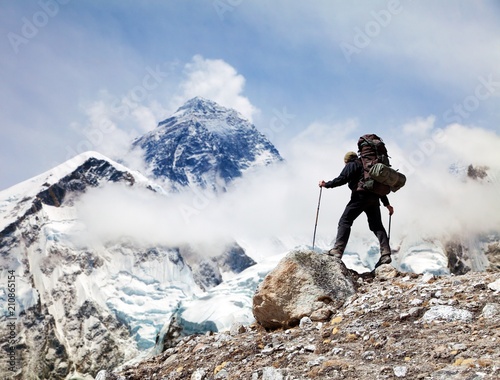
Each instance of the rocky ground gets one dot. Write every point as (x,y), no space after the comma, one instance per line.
(397,326)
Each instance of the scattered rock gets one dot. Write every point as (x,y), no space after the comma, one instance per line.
(237,328)
(386,272)
(305,322)
(427,277)
(310,348)
(199,374)
(447,313)
(368,355)
(491,310)
(271,373)
(400,371)
(321,314)
(495,286)
(414,312)
(106,375)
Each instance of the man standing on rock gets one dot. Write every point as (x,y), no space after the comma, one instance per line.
(361,201)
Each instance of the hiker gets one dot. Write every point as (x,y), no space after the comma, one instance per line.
(361,201)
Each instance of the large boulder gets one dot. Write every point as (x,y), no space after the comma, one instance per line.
(303,284)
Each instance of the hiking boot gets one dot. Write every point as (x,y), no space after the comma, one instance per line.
(384,259)
(334,253)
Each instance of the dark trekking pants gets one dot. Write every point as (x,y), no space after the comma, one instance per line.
(369,204)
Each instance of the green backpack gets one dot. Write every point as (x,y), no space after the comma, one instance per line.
(378,176)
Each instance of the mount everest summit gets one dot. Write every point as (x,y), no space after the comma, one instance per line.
(91,295)
(204,144)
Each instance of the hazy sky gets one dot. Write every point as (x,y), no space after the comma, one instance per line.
(92,75)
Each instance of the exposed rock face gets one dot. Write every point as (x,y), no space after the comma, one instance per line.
(303,284)
(478,172)
(207,271)
(56,332)
(493,253)
(457,256)
(473,253)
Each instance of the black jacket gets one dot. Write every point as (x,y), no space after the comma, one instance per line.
(351,174)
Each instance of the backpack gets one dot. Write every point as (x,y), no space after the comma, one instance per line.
(378,176)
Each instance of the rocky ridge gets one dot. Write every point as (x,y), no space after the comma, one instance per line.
(397,325)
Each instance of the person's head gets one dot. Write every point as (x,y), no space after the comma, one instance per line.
(350,156)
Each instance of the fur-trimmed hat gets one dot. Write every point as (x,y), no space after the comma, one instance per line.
(350,156)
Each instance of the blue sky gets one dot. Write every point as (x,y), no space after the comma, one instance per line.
(92,75)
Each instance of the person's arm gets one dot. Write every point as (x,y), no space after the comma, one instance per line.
(385,202)
(342,179)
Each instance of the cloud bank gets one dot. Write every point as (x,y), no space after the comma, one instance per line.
(280,202)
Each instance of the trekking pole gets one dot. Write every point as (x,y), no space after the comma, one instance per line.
(317,214)
(389,232)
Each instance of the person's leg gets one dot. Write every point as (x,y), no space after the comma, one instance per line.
(376,226)
(353,209)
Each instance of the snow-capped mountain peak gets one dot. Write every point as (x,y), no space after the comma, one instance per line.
(87,169)
(204,144)
(214,117)
(205,109)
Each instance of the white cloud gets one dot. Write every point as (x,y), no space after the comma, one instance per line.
(473,145)
(113,123)
(281,201)
(103,131)
(436,201)
(419,127)
(116,211)
(215,79)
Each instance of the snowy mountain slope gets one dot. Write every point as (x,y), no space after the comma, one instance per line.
(18,199)
(83,304)
(204,144)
